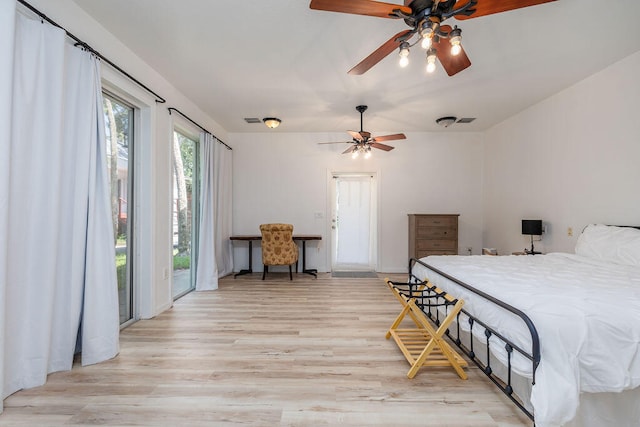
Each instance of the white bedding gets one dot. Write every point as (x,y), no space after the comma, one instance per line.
(587,314)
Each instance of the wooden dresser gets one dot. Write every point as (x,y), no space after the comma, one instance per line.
(433,234)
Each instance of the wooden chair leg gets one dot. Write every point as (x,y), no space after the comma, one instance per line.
(264,271)
(290,274)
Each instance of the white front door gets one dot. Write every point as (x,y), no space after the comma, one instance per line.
(353,221)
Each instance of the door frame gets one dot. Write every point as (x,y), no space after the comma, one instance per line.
(375,212)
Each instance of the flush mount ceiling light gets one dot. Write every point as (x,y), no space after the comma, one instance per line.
(425,19)
(271,122)
(446,121)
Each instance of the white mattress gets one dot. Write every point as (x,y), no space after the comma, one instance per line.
(587,314)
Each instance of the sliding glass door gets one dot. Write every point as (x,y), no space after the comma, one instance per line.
(186,186)
(119,122)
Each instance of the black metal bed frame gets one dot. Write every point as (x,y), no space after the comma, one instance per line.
(425,302)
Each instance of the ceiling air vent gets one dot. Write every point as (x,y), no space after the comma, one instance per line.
(466,120)
(252,120)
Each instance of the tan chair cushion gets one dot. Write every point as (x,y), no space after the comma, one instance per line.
(278,247)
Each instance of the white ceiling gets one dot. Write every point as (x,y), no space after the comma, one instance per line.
(279,58)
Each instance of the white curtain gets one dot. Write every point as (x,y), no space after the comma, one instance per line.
(354,222)
(207,268)
(214,251)
(59,279)
(7,32)
(223,161)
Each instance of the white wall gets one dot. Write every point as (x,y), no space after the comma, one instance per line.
(153,168)
(447,166)
(570,160)
(283,177)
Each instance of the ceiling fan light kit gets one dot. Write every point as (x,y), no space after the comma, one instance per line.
(424,18)
(428,32)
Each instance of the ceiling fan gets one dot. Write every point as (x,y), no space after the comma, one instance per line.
(363,142)
(424,18)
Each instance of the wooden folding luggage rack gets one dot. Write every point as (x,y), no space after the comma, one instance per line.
(423,345)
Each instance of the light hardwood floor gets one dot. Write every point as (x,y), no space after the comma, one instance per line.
(310,352)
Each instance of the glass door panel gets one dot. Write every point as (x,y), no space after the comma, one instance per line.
(185,209)
(119,139)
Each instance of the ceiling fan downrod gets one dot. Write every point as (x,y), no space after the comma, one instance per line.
(361,109)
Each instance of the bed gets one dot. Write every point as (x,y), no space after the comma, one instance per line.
(558,333)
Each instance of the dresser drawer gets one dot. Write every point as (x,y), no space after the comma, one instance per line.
(436,245)
(444,233)
(436,221)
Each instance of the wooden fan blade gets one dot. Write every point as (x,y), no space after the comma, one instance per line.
(379,54)
(349,150)
(452,64)
(382,146)
(389,137)
(361,7)
(489,7)
(337,142)
(433,6)
(355,135)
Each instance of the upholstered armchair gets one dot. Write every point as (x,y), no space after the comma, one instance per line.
(278,247)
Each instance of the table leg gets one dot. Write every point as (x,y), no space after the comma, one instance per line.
(311,271)
(250,269)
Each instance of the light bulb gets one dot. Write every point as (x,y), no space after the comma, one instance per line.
(426,42)
(354,155)
(404,54)
(455,40)
(367,154)
(431,60)
(427,32)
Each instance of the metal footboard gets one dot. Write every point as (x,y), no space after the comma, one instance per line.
(470,350)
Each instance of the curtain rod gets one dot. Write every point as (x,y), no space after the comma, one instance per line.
(84,45)
(188,118)
(79,42)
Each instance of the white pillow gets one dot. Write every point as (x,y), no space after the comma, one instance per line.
(618,245)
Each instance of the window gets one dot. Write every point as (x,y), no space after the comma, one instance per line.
(186,185)
(119,124)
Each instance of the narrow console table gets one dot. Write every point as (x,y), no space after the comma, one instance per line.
(303,238)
